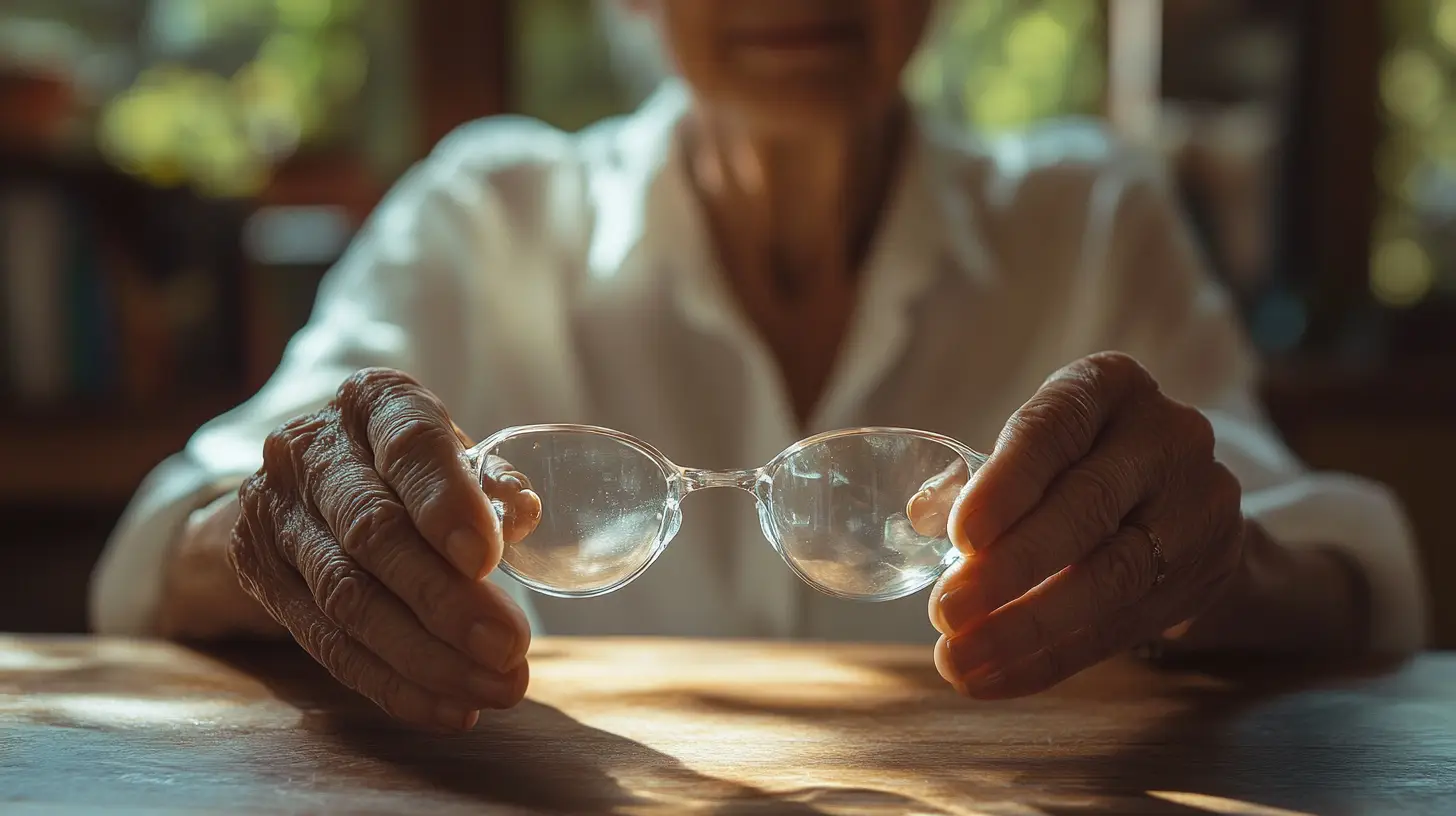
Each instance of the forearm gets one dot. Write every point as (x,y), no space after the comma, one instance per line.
(1282,600)
(201,596)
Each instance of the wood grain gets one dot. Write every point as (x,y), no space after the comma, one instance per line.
(647,727)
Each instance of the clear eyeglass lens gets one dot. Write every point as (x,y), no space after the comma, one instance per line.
(603,503)
(838,511)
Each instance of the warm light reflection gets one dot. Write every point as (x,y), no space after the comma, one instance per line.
(21,659)
(125,712)
(1219,804)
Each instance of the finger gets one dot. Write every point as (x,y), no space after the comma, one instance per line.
(516,506)
(1114,577)
(1047,435)
(929,509)
(1078,652)
(372,616)
(414,447)
(515,503)
(1084,507)
(285,596)
(373,528)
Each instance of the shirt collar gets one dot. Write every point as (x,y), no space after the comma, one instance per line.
(930,220)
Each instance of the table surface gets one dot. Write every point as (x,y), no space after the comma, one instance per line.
(646,727)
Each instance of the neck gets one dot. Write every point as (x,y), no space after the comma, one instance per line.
(795,204)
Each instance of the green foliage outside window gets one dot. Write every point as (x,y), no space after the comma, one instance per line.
(996,64)
(1414,248)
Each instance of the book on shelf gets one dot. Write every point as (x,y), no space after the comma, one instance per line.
(113,293)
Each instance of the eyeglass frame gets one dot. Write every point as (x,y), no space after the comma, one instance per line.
(683,482)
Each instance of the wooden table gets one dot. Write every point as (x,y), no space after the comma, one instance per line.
(647,727)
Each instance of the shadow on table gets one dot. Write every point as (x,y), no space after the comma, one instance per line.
(1286,739)
(1243,740)
(535,756)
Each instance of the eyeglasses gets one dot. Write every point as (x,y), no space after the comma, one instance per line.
(836,507)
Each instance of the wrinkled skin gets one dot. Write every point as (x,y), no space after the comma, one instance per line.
(366,536)
(1059,577)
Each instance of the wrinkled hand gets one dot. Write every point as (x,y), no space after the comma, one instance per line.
(366,535)
(1061,572)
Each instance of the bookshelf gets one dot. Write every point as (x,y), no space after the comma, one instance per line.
(147,309)
(172,314)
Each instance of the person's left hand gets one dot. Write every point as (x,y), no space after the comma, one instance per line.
(1100,521)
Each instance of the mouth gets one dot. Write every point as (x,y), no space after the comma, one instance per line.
(800,37)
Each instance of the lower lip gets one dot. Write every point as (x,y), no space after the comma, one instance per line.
(783,52)
(809,40)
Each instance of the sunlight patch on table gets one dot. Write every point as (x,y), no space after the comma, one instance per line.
(134,712)
(1219,804)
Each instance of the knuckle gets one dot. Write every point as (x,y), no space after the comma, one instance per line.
(331,648)
(376,526)
(285,449)
(433,607)
(342,594)
(1126,574)
(1123,372)
(360,390)
(1060,422)
(1097,491)
(371,390)
(405,451)
(253,530)
(1194,431)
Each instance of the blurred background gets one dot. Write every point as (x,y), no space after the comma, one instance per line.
(175,176)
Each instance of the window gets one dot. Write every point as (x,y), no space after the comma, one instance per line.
(1413,253)
(995,63)
(214,94)
(572,64)
(1001,64)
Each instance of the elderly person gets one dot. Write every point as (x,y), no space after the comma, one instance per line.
(773,245)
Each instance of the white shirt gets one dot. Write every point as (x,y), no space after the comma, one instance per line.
(528,275)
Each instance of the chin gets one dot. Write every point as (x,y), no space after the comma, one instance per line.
(797,108)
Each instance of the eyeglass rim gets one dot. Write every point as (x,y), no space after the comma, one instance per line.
(675,474)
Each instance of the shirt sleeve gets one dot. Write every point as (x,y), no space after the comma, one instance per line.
(1174,318)
(400,298)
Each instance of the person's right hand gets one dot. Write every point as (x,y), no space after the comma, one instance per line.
(366,535)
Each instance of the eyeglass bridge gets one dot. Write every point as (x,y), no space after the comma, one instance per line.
(704,479)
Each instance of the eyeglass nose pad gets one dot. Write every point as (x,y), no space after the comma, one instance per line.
(766,522)
(673,522)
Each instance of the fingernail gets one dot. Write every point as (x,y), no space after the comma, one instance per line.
(937,618)
(510,481)
(946,668)
(985,680)
(493,645)
(466,550)
(917,506)
(1177,631)
(961,606)
(451,715)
